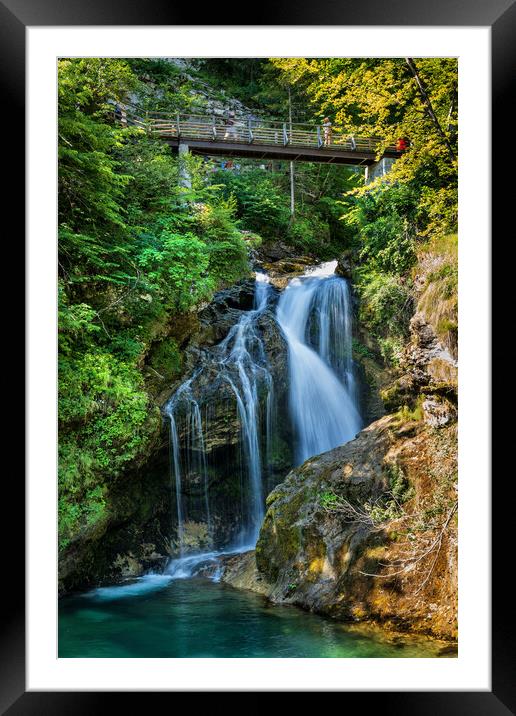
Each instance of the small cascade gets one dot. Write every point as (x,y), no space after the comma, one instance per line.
(244,367)
(314,313)
(195,452)
(240,363)
(205,563)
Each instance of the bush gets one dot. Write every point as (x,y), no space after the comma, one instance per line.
(259,201)
(105,422)
(385,222)
(178,269)
(386,303)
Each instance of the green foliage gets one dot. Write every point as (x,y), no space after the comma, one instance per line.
(389,219)
(87,172)
(360,350)
(310,235)
(228,255)
(166,358)
(153,175)
(329,500)
(86,85)
(259,199)
(263,204)
(385,303)
(386,309)
(134,250)
(105,421)
(399,486)
(381,97)
(385,220)
(178,269)
(391,348)
(75,322)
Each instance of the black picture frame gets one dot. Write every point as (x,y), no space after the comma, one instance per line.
(500,15)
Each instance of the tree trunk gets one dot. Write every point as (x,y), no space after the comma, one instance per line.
(428,105)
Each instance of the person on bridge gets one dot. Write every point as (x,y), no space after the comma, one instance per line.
(327,131)
(231,132)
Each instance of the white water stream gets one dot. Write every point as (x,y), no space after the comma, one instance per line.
(322,387)
(315,315)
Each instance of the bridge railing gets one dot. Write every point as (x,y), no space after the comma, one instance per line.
(249,130)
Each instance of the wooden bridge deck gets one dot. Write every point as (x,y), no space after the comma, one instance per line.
(259,139)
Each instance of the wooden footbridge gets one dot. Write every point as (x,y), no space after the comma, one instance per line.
(256,138)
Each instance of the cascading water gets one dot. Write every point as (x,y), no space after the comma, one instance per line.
(244,368)
(333,332)
(315,315)
(195,452)
(240,362)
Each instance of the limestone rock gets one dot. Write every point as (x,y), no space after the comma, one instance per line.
(344,265)
(241,572)
(438,411)
(282,271)
(322,560)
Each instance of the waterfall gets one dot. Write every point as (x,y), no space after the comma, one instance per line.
(196,454)
(333,334)
(244,368)
(315,315)
(240,362)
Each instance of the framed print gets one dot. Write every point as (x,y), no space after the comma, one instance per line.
(259,257)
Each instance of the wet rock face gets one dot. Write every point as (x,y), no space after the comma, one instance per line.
(284,270)
(272,252)
(344,265)
(325,558)
(240,571)
(223,312)
(220,471)
(297,524)
(425,354)
(429,373)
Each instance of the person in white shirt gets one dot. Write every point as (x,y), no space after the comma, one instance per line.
(327,131)
(231,132)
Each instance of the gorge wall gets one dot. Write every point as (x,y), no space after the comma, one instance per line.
(366,531)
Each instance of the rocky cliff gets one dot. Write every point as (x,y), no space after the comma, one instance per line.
(138,533)
(368,531)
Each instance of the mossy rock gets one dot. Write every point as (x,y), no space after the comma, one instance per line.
(403,392)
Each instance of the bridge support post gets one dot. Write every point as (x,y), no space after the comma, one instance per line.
(185,180)
(378,170)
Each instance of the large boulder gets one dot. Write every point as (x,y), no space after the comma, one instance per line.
(347,533)
(281,272)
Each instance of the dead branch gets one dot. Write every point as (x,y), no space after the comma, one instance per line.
(407,563)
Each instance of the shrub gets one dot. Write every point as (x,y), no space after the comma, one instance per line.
(386,303)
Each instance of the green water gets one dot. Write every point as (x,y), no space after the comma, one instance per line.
(156,617)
